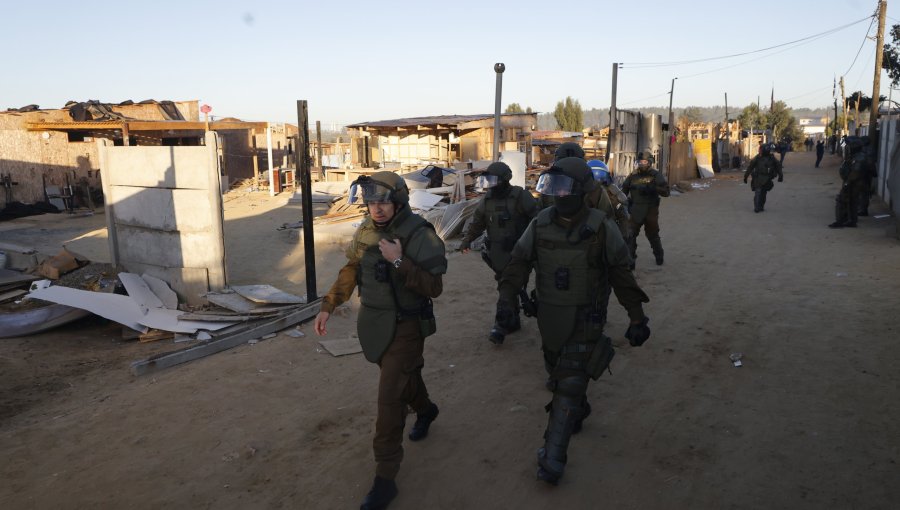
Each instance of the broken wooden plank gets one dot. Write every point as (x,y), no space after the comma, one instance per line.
(266,294)
(13,294)
(155,335)
(237,303)
(237,335)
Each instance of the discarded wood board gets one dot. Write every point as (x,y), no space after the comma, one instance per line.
(162,291)
(139,291)
(155,335)
(124,310)
(237,303)
(10,279)
(266,294)
(226,339)
(10,295)
(424,200)
(341,346)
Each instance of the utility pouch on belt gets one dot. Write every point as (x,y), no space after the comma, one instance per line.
(561,278)
(427,323)
(600,358)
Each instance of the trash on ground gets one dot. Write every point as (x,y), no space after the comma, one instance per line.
(736,359)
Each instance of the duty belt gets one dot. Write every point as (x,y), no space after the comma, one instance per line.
(576,348)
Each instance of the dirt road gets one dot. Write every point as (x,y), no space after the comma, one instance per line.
(809,421)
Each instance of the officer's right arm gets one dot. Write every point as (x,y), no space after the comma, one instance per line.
(626,186)
(340,292)
(516,272)
(476,227)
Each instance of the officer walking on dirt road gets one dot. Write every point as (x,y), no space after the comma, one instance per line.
(577,253)
(396,260)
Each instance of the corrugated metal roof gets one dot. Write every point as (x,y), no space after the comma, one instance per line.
(448,120)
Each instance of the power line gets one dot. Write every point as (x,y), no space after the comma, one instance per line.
(639,65)
(866,37)
(644,99)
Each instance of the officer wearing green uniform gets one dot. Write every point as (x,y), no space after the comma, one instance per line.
(577,254)
(396,260)
(644,188)
(565,150)
(608,197)
(504,211)
(763,168)
(856,173)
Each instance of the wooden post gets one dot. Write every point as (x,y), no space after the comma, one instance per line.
(269,154)
(125,134)
(309,244)
(255,157)
(319,150)
(876,82)
(844,102)
(613,121)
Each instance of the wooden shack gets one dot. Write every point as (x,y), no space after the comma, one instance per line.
(55,149)
(442,140)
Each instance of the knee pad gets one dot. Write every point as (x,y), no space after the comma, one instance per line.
(572,386)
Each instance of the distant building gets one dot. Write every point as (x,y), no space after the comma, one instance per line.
(813,128)
(442,140)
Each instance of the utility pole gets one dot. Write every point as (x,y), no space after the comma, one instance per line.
(844,107)
(876,85)
(671,121)
(498,68)
(613,120)
(309,244)
(727,136)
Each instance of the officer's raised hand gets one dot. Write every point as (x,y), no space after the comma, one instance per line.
(390,250)
(638,332)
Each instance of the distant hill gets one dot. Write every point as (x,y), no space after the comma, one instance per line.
(598,117)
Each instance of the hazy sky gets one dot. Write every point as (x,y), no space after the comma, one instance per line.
(357,61)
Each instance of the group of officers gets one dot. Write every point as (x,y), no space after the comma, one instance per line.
(579,237)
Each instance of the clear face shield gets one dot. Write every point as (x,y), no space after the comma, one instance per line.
(555,184)
(486,181)
(365,190)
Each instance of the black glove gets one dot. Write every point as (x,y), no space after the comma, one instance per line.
(781,179)
(465,245)
(637,334)
(745,180)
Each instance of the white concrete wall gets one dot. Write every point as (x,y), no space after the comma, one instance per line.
(164,214)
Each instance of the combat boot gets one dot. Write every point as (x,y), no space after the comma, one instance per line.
(423,423)
(380,496)
(497,334)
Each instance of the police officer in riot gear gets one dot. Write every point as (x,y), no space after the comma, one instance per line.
(644,188)
(504,211)
(607,197)
(856,174)
(577,254)
(396,260)
(763,168)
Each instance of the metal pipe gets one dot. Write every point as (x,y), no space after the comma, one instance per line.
(499,67)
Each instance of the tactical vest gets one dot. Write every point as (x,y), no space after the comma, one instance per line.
(568,268)
(382,291)
(643,188)
(765,168)
(505,224)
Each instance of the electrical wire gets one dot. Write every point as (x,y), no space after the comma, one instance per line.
(643,99)
(865,38)
(638,65)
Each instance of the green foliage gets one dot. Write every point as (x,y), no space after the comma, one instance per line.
(783,123)
(569,115)
(750,117)
(891,53)
(514,108)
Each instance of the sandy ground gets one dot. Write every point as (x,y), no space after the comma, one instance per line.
(809,421)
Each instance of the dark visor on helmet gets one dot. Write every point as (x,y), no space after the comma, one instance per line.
(555,184)
(367,190)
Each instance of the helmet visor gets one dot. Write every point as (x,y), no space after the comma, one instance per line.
(555,184)
(366,190)
(601,175)
(486,181)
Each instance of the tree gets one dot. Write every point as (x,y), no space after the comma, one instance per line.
(751,118)
(783,124)
(514,108)
(569,115)
(891,54)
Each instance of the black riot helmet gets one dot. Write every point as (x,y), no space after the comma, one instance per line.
(384,186)
(497,174)
(568,176)
(568,150)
